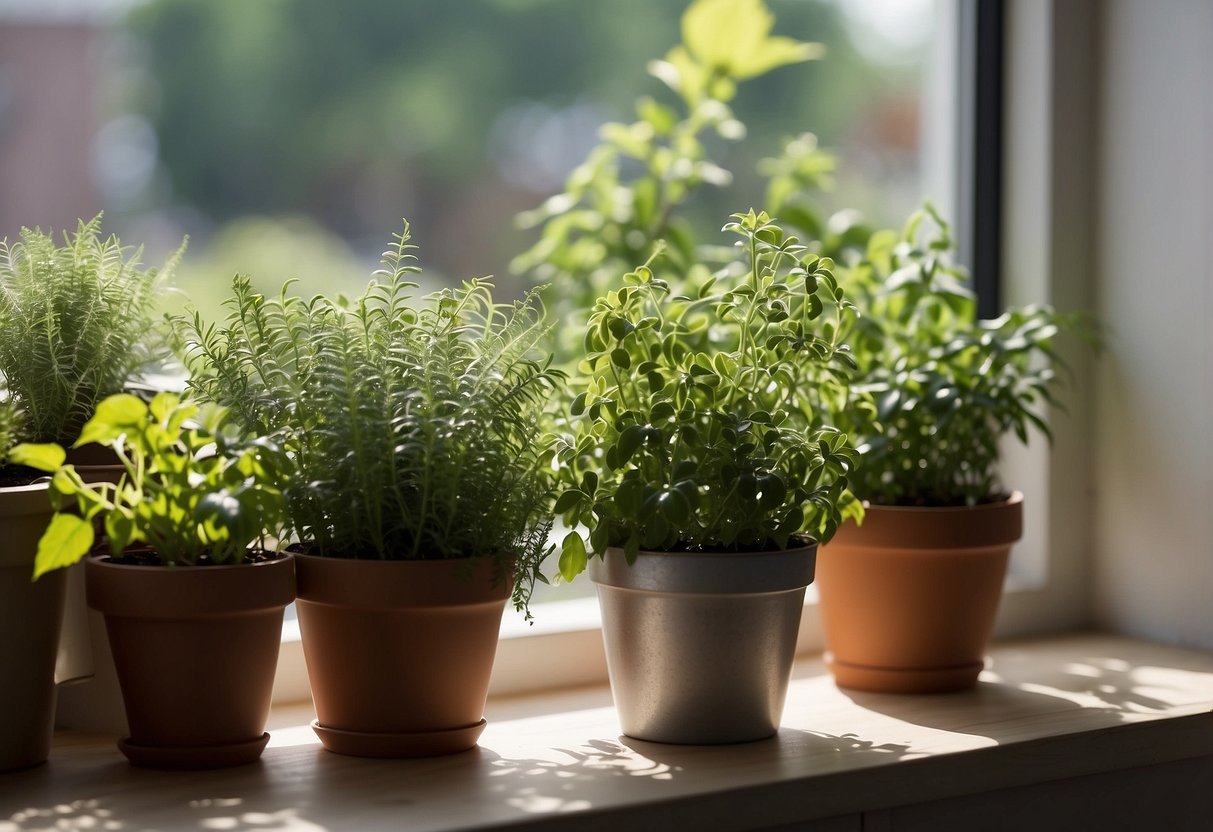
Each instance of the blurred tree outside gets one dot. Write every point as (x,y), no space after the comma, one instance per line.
(288,137)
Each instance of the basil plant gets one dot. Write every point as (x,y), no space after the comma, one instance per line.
(946,386)
(192,492)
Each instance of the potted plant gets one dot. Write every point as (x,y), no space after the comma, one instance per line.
(193,614)
(420,504)
(704,476)
(908,598)
(32,613)
(76,322)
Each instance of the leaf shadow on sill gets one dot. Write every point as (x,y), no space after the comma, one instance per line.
(305,788)
(1104,692)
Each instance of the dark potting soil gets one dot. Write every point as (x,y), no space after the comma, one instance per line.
(12,476)
(146,557)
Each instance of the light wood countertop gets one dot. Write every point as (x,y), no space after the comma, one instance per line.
(1044,710)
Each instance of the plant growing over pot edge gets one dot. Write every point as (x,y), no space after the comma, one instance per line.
(695,437)
(908,600)
(194,616)
(698,424)
(417,461)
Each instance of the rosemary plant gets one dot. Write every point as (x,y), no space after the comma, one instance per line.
(76,322)
(413,427)
(10,429)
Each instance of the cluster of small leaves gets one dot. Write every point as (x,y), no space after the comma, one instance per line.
(192,492)
(697,422)
(76,323)
(413,428)
(946,387)
(625,197)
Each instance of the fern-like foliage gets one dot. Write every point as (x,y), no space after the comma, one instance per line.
(76,322)
(413,426)
(11,422)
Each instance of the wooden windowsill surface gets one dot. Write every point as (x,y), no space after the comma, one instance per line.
(1045,709)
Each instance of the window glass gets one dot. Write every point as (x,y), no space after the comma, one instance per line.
(287,137)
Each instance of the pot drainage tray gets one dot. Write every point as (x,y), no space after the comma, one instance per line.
(413,744)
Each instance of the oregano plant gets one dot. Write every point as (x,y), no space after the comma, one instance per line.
(192,492)
(945,386)
(696,420)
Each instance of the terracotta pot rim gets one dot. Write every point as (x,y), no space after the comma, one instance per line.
(399,584)
(107,561)
(162,592)
(1014,498)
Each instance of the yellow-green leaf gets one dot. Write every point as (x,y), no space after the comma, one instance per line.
(572,556)
(44,457)
(115,416)
(66,541)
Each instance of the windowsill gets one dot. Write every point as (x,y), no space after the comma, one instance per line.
(1045,709)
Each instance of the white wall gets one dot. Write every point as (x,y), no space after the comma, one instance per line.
(1153,448)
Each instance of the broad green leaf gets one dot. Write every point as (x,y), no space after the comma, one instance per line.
(119,528)
(116,415)
(567,501)
(44,456)
(572,556)
(67,539)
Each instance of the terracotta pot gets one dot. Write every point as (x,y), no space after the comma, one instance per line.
(399,653)
(195,649)
(699,646)
(908,599)
(30,617)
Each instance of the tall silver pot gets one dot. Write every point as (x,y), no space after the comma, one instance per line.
(699,645)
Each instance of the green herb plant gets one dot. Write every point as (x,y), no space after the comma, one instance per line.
(412,427)
(694,425)
(946,386)
(77,321)
(11,420)
(626,196)
(192,493)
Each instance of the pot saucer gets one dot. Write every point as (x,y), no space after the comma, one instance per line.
(184,758)
(903,680)
(415,744)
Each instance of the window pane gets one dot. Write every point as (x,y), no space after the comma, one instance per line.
(288,138)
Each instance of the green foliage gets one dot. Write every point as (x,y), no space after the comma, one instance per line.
(697,424)
(412,428)
(627,194)
(945,387)
(11,420)
(192,493)
(76,322)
